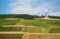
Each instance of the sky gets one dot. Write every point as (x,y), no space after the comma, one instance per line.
(33,7)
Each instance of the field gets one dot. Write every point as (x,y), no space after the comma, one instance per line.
(30,26)
(10,28)
(11,36)
(54,30)
(21,36)
(3,21)
(47,36)
(30,22)
(31,30)
(42,23)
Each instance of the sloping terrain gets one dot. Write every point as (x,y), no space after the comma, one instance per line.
(17,28)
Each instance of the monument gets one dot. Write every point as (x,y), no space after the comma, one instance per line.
(46,16)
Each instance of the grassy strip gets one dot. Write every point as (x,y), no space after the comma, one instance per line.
(10,28)
(11,36)
(32,30)
(8,22)
(54,30)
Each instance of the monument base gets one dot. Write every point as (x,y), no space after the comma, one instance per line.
(46,18)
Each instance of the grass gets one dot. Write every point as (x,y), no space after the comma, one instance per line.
(11,36)
(10,28)
(20,36)
(32,22)
(8,22)
(54,23)
(50,26)
(54,30)
(40,23)
(32,30)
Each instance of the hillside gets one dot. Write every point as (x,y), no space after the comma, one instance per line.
(28,27)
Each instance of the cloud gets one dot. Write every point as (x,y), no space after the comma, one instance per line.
(55,14)
(29,6)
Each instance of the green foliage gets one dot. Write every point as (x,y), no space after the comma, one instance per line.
(35,16)
(10,28)
(25,16)
(56,17)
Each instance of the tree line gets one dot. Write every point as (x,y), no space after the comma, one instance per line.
(25,16)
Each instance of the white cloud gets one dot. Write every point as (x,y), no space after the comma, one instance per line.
(55,14)
(25,7)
